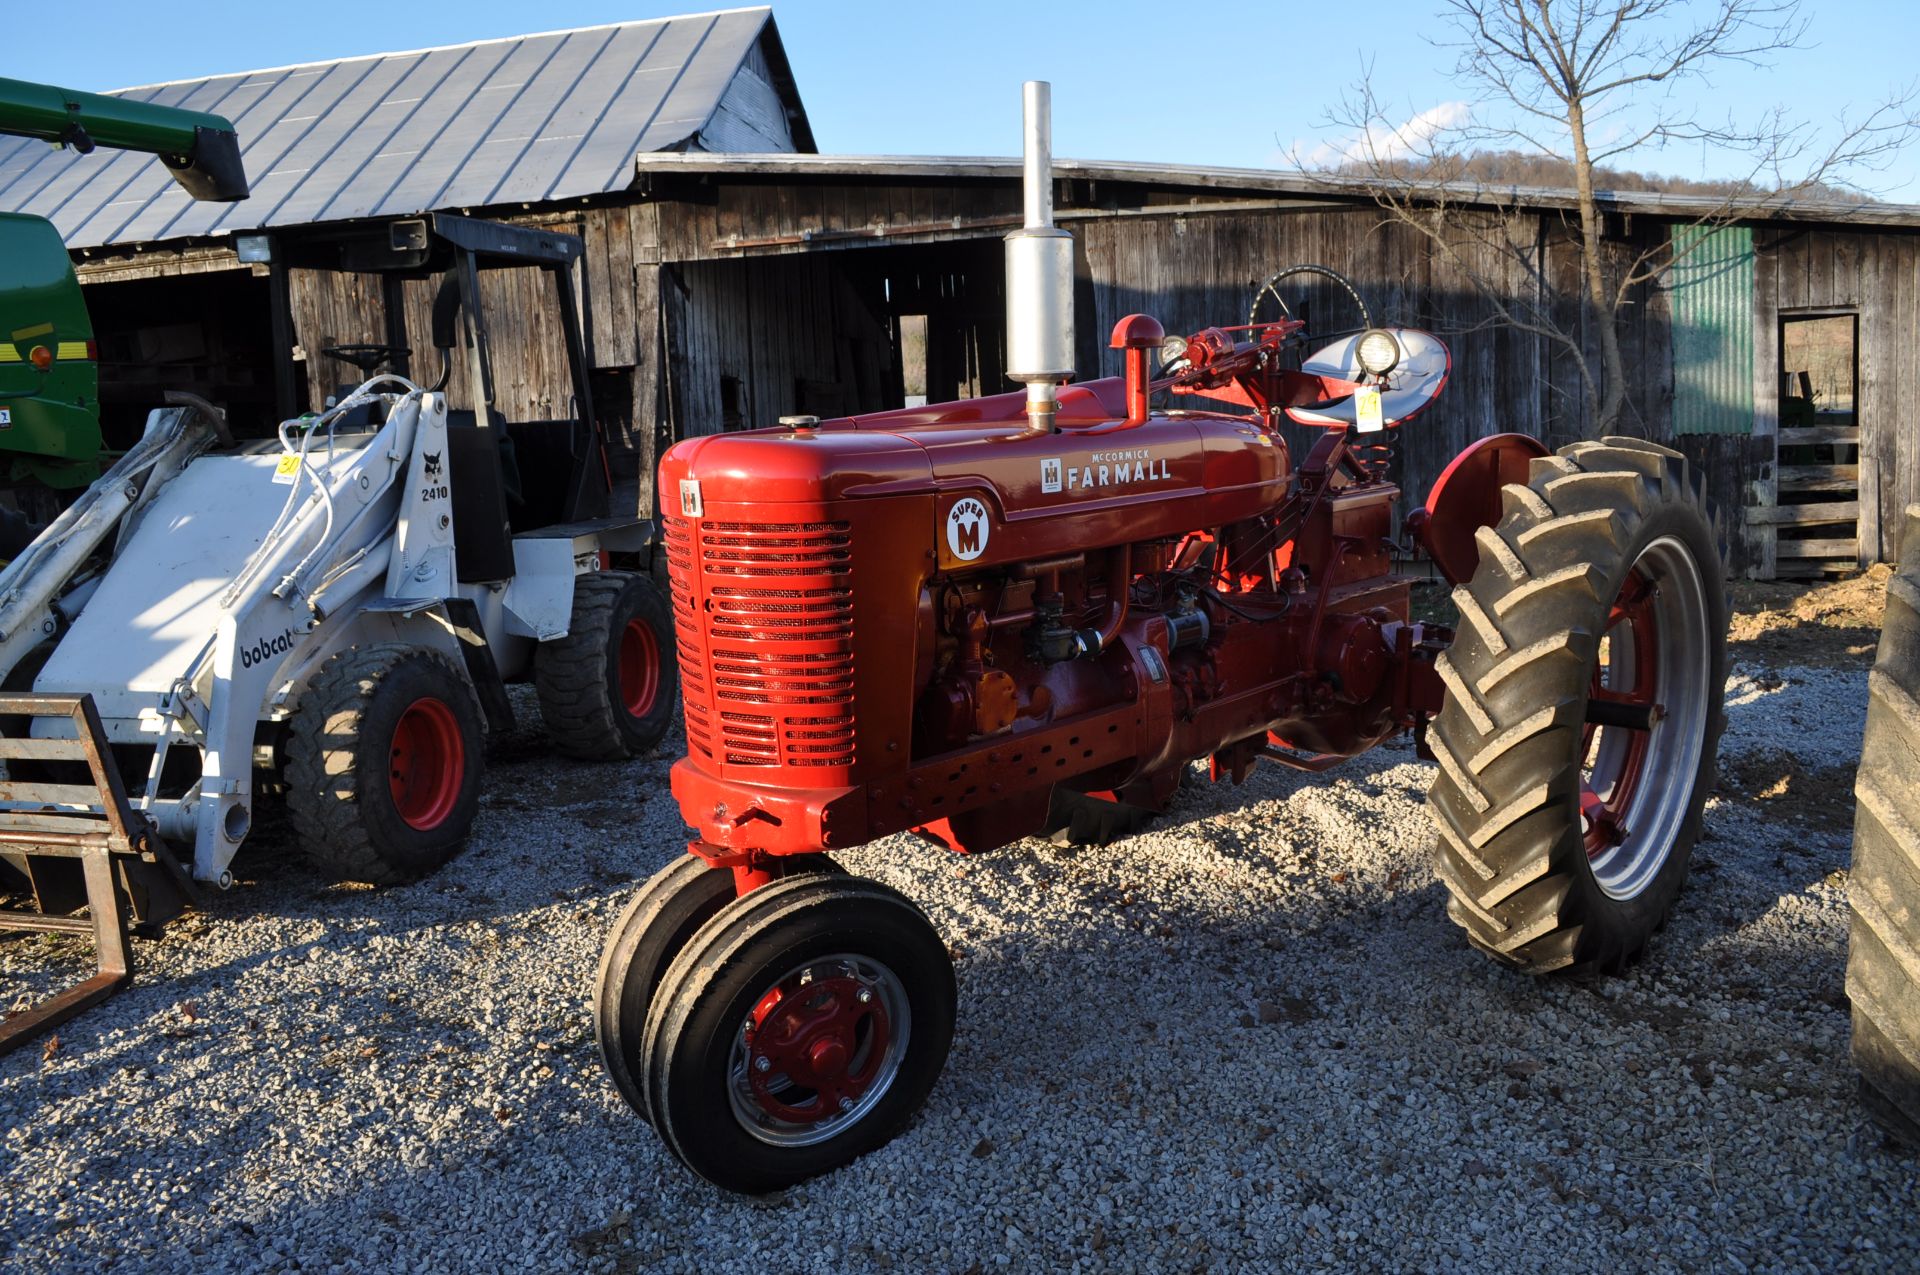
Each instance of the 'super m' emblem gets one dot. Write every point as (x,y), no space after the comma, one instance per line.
(968,528)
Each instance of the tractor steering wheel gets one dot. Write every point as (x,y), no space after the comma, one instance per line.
(1270,289)
(367,356)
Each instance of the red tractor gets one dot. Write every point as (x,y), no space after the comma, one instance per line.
(982,620)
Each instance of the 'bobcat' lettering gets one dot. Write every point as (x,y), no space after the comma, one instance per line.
(265,649)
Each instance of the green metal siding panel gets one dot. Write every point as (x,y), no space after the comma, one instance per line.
(1712,330)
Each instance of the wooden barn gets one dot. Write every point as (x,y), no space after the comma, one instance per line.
(732,276)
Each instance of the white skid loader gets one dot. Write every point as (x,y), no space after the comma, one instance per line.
(332,614)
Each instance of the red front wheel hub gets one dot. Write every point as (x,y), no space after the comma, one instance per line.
(819,1049)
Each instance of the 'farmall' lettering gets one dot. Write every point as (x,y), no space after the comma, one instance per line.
(1110,469)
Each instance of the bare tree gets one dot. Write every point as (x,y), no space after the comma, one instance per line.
(1589,82)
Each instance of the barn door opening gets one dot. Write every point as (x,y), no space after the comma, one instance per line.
(1818,461)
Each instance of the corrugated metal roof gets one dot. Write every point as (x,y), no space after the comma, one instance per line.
(521,120)
(1275,182)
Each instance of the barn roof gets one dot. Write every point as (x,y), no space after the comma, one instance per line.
(521,120)
(1287,184)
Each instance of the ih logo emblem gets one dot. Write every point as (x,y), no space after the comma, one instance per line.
(690,506)
(967,529)
(1050,475)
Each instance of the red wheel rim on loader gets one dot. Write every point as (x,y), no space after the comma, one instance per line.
(639,668)
(426,764)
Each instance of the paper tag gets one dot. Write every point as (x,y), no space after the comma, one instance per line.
(6,418)
(287,470)
(1367,417)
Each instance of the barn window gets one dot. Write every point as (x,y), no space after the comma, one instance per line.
(731,415)
(913,358)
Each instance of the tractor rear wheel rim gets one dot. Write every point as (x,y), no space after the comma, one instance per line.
(1637,785)
(426,763)
(819,1050)
(639,668)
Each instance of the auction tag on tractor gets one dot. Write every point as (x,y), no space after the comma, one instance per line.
(287,470)
(1367,416)
(6,418)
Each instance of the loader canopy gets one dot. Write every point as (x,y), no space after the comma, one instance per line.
(512,473)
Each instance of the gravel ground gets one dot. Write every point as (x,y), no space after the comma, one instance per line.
(1248,1039)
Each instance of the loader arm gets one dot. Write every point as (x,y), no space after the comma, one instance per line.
(201,150)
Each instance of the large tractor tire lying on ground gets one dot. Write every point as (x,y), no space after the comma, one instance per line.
(1583,709)
(383,765)
(1883,959)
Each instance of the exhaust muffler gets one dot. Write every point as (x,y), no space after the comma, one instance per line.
(1039,274)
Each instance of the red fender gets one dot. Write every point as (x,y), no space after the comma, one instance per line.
(1466,497)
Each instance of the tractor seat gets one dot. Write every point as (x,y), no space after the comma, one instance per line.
(1414,382)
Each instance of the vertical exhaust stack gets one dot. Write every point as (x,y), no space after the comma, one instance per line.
(1040,275)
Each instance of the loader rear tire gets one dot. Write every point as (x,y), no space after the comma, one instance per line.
(1883,957)
(1563,838)
(609,688)
(383,764)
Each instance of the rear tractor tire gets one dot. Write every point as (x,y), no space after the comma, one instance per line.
(1883,957)
(1583,710)
(799,1029)
(383,764)
(609,688)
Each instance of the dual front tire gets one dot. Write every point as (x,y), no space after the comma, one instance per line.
(797,1027)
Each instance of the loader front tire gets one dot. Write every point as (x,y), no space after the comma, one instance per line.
(1583,709)
(1883,956)
(609,688)
(383,764)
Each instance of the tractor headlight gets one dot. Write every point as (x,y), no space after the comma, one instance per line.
(1377,352)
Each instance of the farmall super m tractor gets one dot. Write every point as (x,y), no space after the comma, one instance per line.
(974,620)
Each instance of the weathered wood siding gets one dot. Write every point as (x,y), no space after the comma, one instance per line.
(735,301)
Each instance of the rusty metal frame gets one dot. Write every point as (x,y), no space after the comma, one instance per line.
(39,818)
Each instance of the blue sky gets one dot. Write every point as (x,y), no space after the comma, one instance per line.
(1237,84)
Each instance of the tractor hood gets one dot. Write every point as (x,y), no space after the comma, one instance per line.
(1001,493)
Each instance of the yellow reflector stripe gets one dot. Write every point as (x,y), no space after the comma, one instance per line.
(70,350)
(8,354)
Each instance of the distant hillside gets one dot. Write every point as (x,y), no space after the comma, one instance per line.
(1516,168)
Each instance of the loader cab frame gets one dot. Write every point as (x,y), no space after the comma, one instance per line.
(552,472)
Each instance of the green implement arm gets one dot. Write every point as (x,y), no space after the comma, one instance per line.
(49,376)
(202,151)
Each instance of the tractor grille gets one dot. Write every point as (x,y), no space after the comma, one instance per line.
(766,662)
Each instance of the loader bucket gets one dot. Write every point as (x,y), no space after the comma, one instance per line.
(47,830)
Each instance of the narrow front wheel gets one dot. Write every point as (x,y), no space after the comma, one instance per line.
(668,910)
(799,1029)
